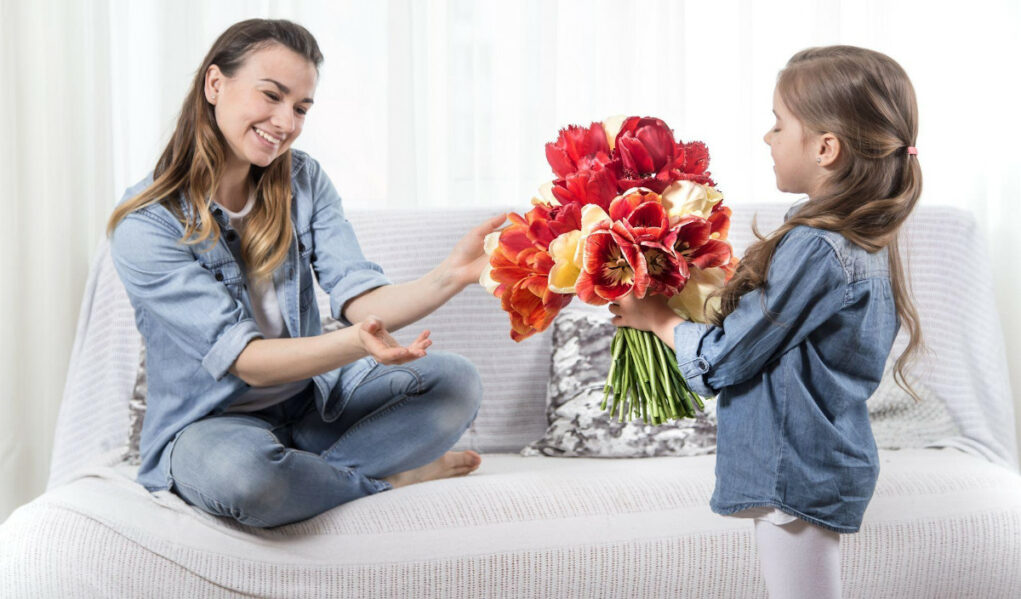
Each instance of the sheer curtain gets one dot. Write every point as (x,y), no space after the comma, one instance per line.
(449,102)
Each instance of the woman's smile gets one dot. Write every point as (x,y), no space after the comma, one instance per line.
(266,139)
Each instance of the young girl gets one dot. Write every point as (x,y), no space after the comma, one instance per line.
(253,413)
(807,322)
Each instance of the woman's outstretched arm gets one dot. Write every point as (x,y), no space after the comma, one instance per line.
(266,362)
(403,304)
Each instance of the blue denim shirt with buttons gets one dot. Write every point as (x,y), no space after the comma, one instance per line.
(193,309)
(793,426)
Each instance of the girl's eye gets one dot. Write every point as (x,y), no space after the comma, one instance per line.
(272,96)
(301,111)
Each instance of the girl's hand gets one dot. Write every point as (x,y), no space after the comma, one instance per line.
(466,261)
(650,313)
(379,344)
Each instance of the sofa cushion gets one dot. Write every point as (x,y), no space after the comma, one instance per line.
(941,523)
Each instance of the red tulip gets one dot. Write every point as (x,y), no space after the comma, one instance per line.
(695,163)
(613,267)
(648,225)
(546,223)
(648,154)
(694,243)
(575,146)
(520,267)
(596,183)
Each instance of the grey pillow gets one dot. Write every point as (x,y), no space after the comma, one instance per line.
(579,427)
(136,412)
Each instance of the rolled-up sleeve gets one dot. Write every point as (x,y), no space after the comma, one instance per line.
(172,290)
(340,266)
(804,287)
(687,340)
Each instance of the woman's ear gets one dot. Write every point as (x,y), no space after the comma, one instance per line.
(214,81)
(828,149)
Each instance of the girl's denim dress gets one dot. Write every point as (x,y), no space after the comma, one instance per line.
(793,427)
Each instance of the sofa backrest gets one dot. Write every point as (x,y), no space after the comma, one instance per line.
(950,277)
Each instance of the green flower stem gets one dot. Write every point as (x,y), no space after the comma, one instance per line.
(645,381)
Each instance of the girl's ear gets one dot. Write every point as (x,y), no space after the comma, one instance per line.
(828,149)
(214,81)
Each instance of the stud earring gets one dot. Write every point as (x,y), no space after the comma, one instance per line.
(818,160)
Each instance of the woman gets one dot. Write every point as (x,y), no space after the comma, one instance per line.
(252,413)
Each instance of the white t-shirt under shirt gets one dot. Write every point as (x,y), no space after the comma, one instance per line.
(767,513)
(270,320)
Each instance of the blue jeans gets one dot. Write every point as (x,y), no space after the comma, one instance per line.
(284,463)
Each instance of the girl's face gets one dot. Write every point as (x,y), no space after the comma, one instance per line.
(794,155)
(261,109)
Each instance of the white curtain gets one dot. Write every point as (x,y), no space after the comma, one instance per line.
(449,102)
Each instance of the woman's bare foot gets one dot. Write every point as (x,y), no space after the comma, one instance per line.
(450,464)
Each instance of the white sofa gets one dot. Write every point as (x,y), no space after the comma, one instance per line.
(945,520)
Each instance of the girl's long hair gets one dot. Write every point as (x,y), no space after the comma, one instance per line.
(194,160)
(866,100)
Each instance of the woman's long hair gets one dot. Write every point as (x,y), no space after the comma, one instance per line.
(193,162)
(866,100)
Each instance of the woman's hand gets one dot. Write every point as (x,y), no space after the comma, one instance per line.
(379,344)
(650,313)
(465,263)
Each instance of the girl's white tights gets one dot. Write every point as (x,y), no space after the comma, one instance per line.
(799,560)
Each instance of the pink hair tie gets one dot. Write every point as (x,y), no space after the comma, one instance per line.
(912,150)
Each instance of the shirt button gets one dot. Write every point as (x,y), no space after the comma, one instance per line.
(231,236)
(703,365)
(219,276)
(301,247)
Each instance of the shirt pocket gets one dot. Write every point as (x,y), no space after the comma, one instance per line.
(229,273)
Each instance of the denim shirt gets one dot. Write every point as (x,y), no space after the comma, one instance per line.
(793,426)
(194,312)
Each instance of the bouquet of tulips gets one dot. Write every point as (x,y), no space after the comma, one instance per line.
(631,210)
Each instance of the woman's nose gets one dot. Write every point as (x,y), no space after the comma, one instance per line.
(283,118)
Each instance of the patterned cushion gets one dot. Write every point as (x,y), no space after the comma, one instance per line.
(900,422)
(578,426)
(136,412)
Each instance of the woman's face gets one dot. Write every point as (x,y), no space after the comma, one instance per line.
(261,109)
(793,161)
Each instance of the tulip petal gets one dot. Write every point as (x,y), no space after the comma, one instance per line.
(712,254)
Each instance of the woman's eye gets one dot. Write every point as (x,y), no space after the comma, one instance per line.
(301,111)
(272,96)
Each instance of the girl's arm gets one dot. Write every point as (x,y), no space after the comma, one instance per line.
(805,286)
